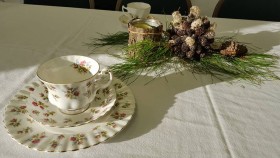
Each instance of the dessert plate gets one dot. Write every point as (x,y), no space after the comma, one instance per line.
(41,110)
(25,130)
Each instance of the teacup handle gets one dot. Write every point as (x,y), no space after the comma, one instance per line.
(100,77)
(124,9)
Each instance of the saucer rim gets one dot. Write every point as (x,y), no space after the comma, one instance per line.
(74,125)
(125,122)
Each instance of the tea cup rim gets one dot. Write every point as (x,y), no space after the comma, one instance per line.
(67,83)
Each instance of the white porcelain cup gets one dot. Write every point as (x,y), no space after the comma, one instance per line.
(137,9)
(72,82)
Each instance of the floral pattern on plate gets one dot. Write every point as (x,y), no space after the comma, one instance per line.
(36,136)
(41,110)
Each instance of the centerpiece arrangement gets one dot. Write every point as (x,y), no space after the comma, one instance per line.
(188,43)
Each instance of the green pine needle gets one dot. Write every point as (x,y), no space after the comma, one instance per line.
(147,56)
(119,38)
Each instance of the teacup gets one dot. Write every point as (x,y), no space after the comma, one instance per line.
(137,9)
(72,82)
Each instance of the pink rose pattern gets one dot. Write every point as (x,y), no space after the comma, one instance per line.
(76,139)
(82,67)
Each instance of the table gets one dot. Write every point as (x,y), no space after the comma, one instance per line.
(183,116)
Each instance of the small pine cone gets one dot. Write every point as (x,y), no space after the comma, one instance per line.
(207,47)
(190,18)
(199,31)
(231,48)
(206,23)
(198,50)
(189,32)
(193,48)
(209,34)
(195,37)
(185,48)
(176,49)
(181,54)
(171,32)
(183,38)
(203,41)
(174,37)
(210,41)
(190,54)
(180,32)
(177,40)
(202,55)
(186,25)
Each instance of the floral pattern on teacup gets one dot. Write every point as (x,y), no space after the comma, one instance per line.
(72,92)
(50,115)
(82,66)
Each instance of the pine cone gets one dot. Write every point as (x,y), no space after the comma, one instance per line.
(206,23)
(199,31)
(186,25)
(185,48)
(231,48)
(180,32)
(209,34)
(176,49)
(196,34)
(203,41)
(190,54)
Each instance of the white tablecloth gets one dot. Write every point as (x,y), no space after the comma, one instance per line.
(184,116)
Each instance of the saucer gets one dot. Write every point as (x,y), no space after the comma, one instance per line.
(28,132)
(41,110)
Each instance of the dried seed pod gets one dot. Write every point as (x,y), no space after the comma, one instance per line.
(232,48)
(182,54)
(210,41)
(195,11)
(174,37)
(199,31)
(190,41)
(190,54)
(178,40)
(209,34)
(196,32)
(176,49)
(193,48)
(196,24)
(206,23)
(180,32)
(177,17)
(203,41)
(186,25)
(185,48)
